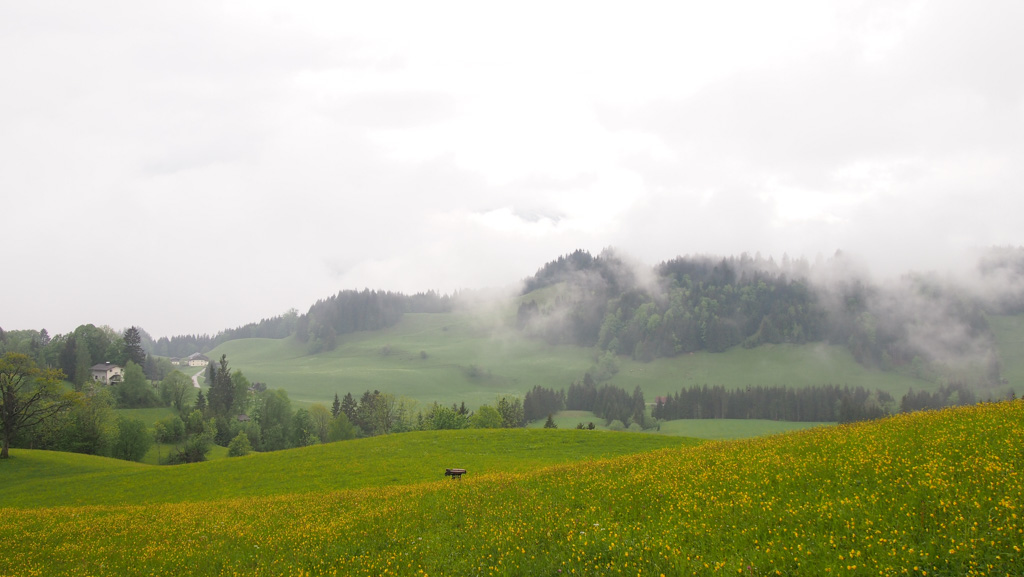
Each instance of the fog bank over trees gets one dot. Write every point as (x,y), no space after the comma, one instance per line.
(933,325)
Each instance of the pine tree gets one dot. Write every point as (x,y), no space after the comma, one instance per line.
(336,407)
(348,406)
(550,423)
(133,347)
(222,391)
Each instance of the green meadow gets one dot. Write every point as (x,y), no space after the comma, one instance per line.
(456,357)
(721,429)
(929,493)
(710,429)
(44,478)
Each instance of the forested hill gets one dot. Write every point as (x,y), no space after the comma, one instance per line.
(934,326)
(346,312)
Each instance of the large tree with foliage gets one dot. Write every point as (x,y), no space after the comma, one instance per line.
(486,417)
(341,429)
(88,426)
(134,391)
(274,415)
(176,390)
(132,441)
(28,395)
(321,417)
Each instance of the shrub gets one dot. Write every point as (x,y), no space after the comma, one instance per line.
(239,446)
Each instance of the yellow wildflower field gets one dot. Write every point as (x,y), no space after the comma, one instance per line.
(932,493)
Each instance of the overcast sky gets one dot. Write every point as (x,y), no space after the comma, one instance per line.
(193,166)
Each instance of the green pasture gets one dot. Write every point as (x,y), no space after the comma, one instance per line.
(789,365)
(48,479)
(723,429)
(709,429)
(456,357)
(148,416)
(448,358)
(569,420)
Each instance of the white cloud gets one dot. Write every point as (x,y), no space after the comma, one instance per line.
(192,167)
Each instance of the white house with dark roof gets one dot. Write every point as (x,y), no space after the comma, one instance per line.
(198,360)
(107,373)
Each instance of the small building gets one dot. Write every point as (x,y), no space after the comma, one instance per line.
(198,360)
(107,373)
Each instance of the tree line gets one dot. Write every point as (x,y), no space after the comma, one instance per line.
(619,408)
(826,403)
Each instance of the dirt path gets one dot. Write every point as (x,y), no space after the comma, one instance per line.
(195,378)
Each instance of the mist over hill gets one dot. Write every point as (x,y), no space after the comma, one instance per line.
(932,325)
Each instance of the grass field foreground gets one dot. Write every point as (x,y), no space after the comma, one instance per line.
(44,478)
(935,493)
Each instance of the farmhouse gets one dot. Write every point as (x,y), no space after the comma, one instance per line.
(107,373)
(198,360)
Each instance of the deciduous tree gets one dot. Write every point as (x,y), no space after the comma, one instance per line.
(341,429)
(134,391)
(239,446)
(176,390)
(486,417)
(28,395)
(321,418)
(132,440)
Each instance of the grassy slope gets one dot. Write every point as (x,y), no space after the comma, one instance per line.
(936,492)
(710,429)
(454,342)
(722,429)
(148,416)
(42,478)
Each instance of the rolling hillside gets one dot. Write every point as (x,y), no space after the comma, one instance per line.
(44,478)
(930,493)
(452,357)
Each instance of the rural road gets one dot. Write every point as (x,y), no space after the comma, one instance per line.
(195,378)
